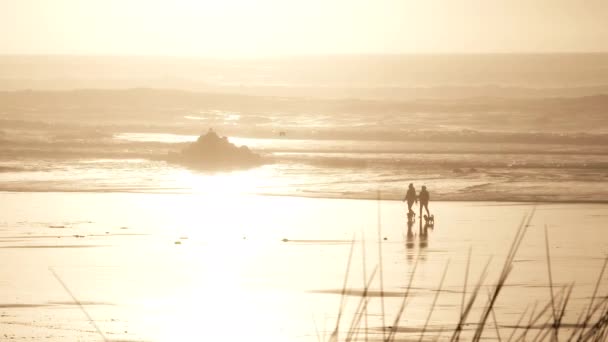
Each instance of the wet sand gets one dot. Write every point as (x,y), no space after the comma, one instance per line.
(158,267)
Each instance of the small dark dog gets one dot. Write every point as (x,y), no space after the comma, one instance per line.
(429,220)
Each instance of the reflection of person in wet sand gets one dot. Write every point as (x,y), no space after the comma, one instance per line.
(409,238)
(424,236)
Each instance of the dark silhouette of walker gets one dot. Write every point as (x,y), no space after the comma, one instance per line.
(424,198)
(411,198)
(429,220)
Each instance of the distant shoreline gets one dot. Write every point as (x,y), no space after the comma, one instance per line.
(354,198)
(324,75)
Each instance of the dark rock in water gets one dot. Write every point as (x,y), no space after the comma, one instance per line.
(212,152)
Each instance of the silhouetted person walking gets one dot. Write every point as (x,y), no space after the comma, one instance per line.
(424,198)
(411,198)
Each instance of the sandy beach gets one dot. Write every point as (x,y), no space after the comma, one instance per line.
(175,171)
(161,267)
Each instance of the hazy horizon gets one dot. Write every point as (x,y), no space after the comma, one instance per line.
(354,76)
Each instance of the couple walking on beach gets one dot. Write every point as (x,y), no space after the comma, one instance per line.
(412,198)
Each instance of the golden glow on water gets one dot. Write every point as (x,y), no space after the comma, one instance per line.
(226,184)
(220,184)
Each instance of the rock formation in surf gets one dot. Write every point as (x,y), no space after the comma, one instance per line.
(212,152)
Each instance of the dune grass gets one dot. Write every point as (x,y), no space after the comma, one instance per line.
(538,322)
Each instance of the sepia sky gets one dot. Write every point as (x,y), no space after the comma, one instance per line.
(291,27)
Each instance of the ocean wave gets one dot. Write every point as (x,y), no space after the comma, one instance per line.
(457,162)
(312,177)
(341,153)
(172,111)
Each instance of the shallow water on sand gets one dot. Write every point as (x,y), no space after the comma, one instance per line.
(179,267)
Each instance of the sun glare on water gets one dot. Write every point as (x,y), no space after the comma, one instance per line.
(220,184)
(215,294)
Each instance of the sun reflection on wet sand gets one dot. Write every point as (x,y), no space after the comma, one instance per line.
(225,184)
(205,267)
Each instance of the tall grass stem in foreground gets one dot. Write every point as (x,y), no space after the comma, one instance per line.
(67,289)
(543,320)
(382,309)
